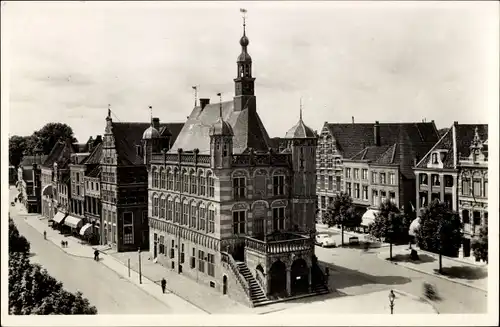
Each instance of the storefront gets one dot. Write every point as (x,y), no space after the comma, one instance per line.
(74,223)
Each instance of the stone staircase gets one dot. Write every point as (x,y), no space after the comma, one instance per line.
(257,295)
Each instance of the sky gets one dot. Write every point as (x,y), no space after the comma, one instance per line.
(385,61)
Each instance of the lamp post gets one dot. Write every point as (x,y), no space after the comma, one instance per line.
(392,297)
(140,271)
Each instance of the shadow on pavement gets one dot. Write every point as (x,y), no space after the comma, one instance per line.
(341,277)
(463,272)
(422,258)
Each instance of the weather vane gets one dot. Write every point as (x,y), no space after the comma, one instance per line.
(220,106)
(244,12)
(151,112)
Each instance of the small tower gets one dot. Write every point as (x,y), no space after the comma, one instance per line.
(150,140)
(221,142)
(302,141)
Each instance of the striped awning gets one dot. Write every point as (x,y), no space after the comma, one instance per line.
(73,222)
(368,217)
(86,230)
(415,224)
(59,217)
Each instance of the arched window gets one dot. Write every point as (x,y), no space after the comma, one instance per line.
(211,219)
(201,184)
(163,204)
(185,212)
(177,181)
(465,216)
(211,189)
(194,215)
(155,205)
(202,212)
(170,182)
(185,178)
(177,217)
(170,208)
(163,177)
(154,174)
(192,178)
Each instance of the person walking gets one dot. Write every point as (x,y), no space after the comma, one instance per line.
(163,285)
(96,255)
(62,243)
(44,234)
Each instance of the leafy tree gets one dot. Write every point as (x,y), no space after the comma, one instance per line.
(341,212)
(17,242)
(17,146)
(48,135)
(440,230)
(480,245)
(389,224)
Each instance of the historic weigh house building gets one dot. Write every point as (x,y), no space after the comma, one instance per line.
(228,210)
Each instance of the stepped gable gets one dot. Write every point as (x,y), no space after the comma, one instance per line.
(248,130)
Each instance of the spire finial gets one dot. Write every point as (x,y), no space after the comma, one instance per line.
(151,113)
(109,110)
(244,12)
(220,106)
(300,108)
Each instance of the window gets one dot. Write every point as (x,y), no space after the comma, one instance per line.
(476,187)
(365,174)
(239,222)
(323,202)
(279,218)
(330,182)
(182,253)
(202,218)
(211,188)
(356,173)
(465,187)
(392,178)
(321,182)
(356,190)
(374,177)
(239,187)
(185,213)
(170,209)
(155,177)
(211,220)
(448,181)
(192,178)
(392,197)
(383,196)
(365,192)
(128,228)
(193,259)
(338,183)
(185,179)
(382,178)
(97,186)
(434,158)
(279,185)
(485,189)
(177,217)
(211,264)
(163,205)
(435,180)
(348,188)
(193,215)
(476,218)
(156,205)
(163,176)
(201,262)
(423,179)
(161,245)
(201,184)
(177,178)
(170,180)
(375,200)
(348,172)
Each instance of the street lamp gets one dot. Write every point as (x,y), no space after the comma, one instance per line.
(392,297)
(140,271)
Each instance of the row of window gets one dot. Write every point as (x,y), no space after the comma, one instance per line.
(476,217)
(192,215)
(93,206)
(334,182)
(108,177)
(474,188)
(436,180)
(185,183)
(93,186)
(108,196)
(76,207)
(381,197)
(356,192)
(240,224)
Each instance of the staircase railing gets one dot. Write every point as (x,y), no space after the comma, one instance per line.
(228,259)
(260,278)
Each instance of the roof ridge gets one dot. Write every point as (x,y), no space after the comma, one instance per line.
(435,145)
(393,152)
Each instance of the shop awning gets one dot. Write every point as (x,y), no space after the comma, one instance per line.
(73,222)
(86,230)
(368,217)
(415,224)
(59,217)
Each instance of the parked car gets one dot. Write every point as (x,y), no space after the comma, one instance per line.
(325,240)
(12,204)
(354,240)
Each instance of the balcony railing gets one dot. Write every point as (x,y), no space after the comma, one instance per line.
(228,259)
(181,158)
(281,246)
(262,159)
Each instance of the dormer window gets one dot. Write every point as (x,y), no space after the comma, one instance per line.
(434,158)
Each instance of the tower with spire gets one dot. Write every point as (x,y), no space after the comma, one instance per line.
(221,141)
(244,82)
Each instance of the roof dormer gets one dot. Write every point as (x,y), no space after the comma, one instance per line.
(437,158)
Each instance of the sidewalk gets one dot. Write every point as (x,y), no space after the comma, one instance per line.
(361,236)
(454,270)
(372,303)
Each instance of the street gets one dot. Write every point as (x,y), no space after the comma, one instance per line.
(355,272)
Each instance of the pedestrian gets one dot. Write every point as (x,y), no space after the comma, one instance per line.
(163,285)
(44,235)
(65,244)
(62,243)
(96,255)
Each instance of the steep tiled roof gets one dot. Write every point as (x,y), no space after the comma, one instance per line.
(94,158)
(464,134)
(128,135)
(249,132)
(370,153)
(95,172)
(300,130)
(61,151)
(30,160)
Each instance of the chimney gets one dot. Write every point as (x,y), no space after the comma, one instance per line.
(352,120)
(204,102)
(156,123)
(376,133)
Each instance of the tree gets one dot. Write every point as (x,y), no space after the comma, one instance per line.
(17,242)
(17,146)
(480,244)
(341,212)
(440,230)
(48,135)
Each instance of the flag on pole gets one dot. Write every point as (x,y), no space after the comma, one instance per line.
(194,87)
(219,94)
(243,10)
